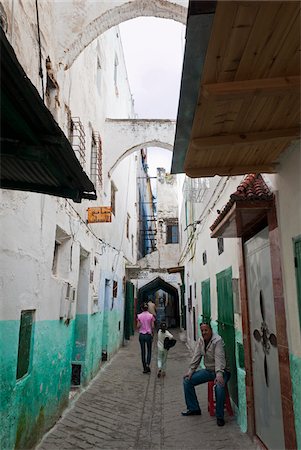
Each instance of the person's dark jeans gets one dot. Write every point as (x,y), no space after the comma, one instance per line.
(146,341)
(203,376)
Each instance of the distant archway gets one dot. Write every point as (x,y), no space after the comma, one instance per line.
(126,136)
(158,284)
(129,151)
(112,17)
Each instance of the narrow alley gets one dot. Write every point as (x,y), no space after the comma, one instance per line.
(124,408)
(150,171)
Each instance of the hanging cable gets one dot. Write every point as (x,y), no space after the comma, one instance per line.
(40,52)
(202,219)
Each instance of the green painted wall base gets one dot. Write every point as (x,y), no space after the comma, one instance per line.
(295,368)
(31,406)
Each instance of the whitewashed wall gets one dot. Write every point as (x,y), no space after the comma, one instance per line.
(287,186)
(28,220)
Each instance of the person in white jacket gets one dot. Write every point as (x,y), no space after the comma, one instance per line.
(163,333)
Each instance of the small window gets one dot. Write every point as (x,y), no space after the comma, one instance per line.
(115,286)
(99,75)
(128,226)
(204,258)
(55,257)
(132,244)
(62,255)
(113,198)
(172,232)
(190,298)
(25,339)
(220,245)
(116,75)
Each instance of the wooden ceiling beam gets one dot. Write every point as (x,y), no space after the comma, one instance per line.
(246,88)
(256,137)
(198,172)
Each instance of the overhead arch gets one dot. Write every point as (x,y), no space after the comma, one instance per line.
(114,16)
(131,150)
(125,136)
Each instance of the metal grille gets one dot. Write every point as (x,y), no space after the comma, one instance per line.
(194,189)
(77,138)
(96,159)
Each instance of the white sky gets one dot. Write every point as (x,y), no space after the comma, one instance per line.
(153,50)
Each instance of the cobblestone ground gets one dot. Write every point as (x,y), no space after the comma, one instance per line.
(125,409)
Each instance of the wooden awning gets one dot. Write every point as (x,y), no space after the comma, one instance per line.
(247,110)
(245,210)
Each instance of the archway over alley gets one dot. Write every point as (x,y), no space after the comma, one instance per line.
(125,136)
(88,21)
(166,298)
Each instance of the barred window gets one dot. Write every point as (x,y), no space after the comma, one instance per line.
(113,198)
(96,160)
(172,231)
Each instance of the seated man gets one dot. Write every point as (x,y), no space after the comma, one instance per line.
(210,346)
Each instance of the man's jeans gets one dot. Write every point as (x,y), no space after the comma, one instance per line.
(203,376)
(146,340)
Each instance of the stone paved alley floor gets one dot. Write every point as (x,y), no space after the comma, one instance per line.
(125,409)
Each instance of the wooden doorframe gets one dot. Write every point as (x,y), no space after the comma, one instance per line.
(281,332)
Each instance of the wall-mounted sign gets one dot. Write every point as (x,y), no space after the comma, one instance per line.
(100,214)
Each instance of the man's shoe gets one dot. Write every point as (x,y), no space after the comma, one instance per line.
(220,422)
(197,412)
(148,369)
(159,374)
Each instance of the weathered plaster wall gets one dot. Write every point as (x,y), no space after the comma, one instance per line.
(90,19)
(195,240)
(30,405)
(287,189)
(129,135)
(91,253)
(287,184)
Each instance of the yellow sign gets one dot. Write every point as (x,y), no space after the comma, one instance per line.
(100,214)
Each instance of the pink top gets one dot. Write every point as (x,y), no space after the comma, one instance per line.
(146,319)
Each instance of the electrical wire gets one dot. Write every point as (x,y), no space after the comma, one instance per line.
(192,238)
(40,51)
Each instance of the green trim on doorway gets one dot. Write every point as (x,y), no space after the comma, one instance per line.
(31,405)
(295,369)
(206,300)
(241,386)
(297,256)
(226,328)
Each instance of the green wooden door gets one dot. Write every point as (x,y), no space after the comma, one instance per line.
(183,307)
(129,310)
(297,248)
(226,324)
(206,304)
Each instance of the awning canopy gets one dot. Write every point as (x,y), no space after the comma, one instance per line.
(246,209)
(36,156)
(240,94)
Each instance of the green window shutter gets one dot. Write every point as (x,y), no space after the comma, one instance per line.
(298,272)
(206,304)
(24,343)
(225,297)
